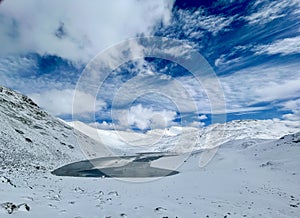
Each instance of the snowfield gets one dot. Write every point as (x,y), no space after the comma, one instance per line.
(254,173)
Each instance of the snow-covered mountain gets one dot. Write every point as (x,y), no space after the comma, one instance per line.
(32,140)
(255,173)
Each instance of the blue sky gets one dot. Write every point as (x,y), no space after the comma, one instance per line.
(252,46)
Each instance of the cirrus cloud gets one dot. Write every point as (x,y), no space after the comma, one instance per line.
(285,46)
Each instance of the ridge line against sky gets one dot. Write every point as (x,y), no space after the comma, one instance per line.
(253,46)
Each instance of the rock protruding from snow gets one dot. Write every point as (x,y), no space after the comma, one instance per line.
(10,207)
(292,138)
(4,179)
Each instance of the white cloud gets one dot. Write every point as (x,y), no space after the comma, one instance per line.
(266,11)
(145,118)
(202,117)
(21,73)
(230,57)
(260,84)
(161,88)
(193,20)
(196,124)
(284,47)
(75,30)
(279,90)
(294,106)
(103,125)
(21,66)
(222,60)
(60,102)
(292,116)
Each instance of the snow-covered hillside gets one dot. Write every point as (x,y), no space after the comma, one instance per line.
(255,173)
(32,140)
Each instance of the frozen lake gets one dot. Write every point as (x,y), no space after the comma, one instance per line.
(138,166)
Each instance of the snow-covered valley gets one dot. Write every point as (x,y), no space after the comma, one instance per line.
(254,173)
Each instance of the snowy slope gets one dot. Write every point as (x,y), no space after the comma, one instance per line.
(247,178)
(31,139)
